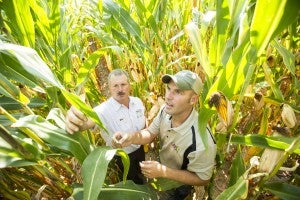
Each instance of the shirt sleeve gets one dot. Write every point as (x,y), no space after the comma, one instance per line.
(202,162)
(154,127)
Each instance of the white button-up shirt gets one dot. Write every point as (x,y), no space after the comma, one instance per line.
(117,117)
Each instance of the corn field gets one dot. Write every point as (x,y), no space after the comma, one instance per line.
(58,53)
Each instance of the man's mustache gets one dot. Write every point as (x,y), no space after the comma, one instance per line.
(121,93)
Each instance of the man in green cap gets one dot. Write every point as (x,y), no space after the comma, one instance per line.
(182,155)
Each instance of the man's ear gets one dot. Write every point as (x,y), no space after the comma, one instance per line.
(194,99)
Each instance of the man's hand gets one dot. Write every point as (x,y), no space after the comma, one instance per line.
(77,121)
(153,169)
(115,140)
(120,140)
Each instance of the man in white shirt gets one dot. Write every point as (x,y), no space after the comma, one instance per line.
(121,112)
(183,155)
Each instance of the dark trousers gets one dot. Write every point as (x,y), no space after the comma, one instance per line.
(179,193)
(134,172)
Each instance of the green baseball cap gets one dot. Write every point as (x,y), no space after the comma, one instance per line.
(185,80)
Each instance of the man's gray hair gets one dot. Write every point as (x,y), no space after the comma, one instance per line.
(118,72)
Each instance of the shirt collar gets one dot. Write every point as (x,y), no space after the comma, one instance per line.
(187,124)
(116,105)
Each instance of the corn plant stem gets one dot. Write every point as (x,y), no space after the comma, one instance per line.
(27,131)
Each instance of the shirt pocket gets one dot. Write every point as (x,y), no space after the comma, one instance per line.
(139,118)
(123,123)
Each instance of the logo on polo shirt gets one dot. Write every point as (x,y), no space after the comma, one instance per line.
(139,113)
(174,146)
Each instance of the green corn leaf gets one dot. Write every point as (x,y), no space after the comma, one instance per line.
(74,144)
(26,63)
(92,62)
(284,191)
(42,22)
(163,184)
(232,77)
(270,79)
(125,21)
(7,160)
(237,168)
(57,116)
(264,29)
(9,103)
(288,57)
(7,88)
(21,22)
(13,194)
(94,170)
(13,70)
(14,143)
(17,152)
(80,105)
(10,90)
(278,142)
(203,118)
(127,191)
(124,190)
(199,47)
(290,15)
(219,41)
(238,191)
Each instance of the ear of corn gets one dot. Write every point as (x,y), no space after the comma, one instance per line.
(269,160)
(288,116)
(224,109)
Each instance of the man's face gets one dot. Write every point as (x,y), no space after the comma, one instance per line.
(178,101)
(119,88)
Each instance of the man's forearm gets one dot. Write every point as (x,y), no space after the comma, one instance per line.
(142,137)
(184,176)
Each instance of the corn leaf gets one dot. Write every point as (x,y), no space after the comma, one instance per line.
(80,105)
(127,191)
(231,78)
(73,144)
(125,20)
(284,191)
(219,41)
(264,29)
(203,118)
(20,20)
(287,56)
(269,76)
(199,47)
(9,103)
(238,191)
(94,170)
(42,22)
(7,160)
(25,63)
(124,190)
(92,62)
(278,142)
(10,90)
(237,168)
(163,184)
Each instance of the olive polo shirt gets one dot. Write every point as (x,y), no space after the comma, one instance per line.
(175,141)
